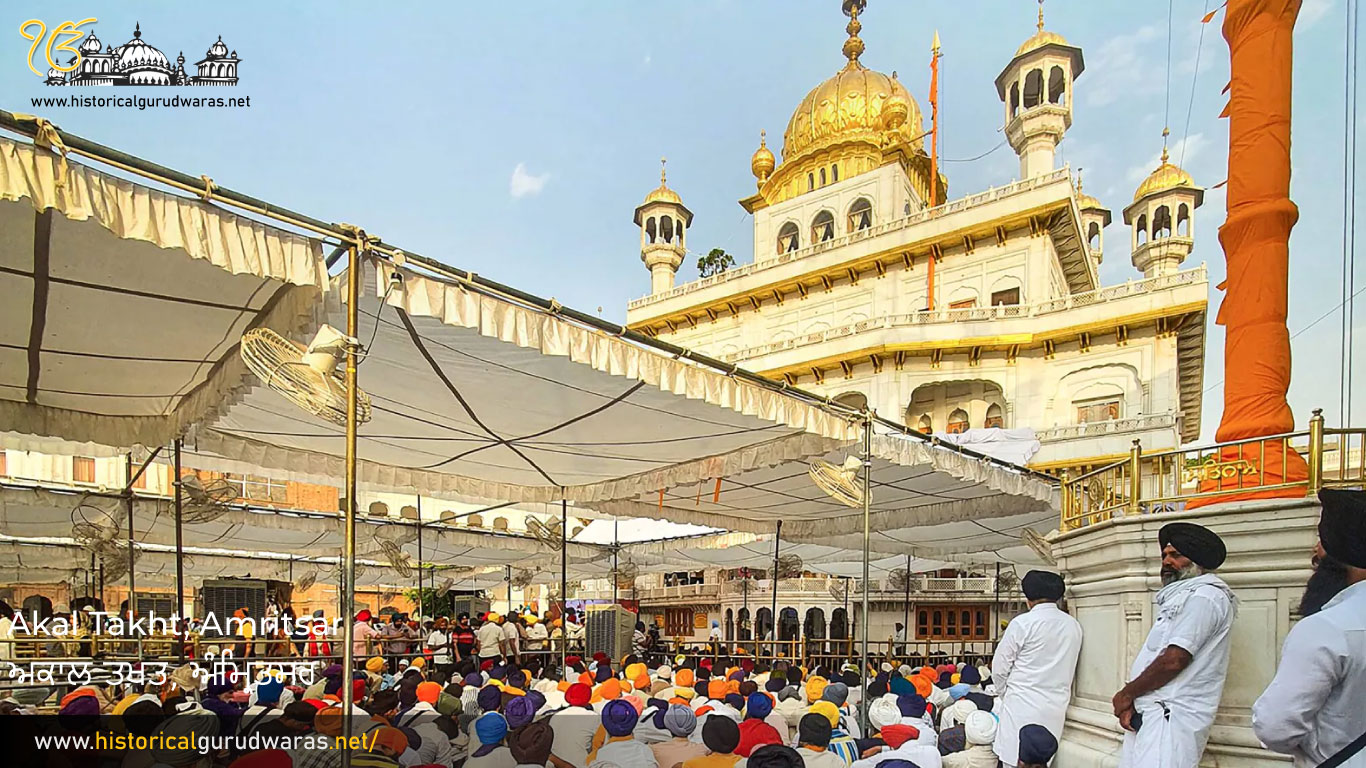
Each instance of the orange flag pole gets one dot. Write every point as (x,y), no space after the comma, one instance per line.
(934,152)
(1256,242)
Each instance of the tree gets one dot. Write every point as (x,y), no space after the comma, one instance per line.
(715,262)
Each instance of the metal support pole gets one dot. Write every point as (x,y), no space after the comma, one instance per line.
(348,580)
(1135,478)
(773,647)
(906,619)
(1315,458)
(564,582)
(848,620)
(421,608)
(132,544)
(179,551)
(616,548)
(507,579)
(996,604)
(867,539)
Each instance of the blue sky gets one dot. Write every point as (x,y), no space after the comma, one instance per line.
(515,139)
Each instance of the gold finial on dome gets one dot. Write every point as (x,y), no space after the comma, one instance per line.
(763,162)
(1166,131)
(663,161)
(853,47)
(1040,38)
(1167,176)
(1040,15)
(662,193)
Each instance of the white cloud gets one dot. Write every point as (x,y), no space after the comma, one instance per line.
(1183,152)
(1312,11)
(524,184)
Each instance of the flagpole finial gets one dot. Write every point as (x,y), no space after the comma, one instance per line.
(1040,15)
(934,47)
(1165,133)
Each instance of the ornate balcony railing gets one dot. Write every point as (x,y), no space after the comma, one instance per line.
(1168,481)
(953,206)
(1110,427)
(976,314)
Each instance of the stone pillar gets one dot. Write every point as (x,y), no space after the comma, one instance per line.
(1112,572)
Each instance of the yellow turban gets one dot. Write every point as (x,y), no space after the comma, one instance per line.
(125,703)
(684,693)
(814,688)
(634,671)
(956,677)
(419,662)
(374,664)
(828,710)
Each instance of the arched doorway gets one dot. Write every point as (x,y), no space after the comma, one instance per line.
(763,623)
(789,625)
(814,629)
(730,625)
(744,626)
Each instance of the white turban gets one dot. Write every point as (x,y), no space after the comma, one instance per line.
(884,712)
(980,728)
(957,714)
(939,697)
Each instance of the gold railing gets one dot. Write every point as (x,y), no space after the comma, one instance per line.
(1168,481)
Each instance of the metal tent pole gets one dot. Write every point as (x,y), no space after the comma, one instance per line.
(906,607)
(773,647)
(348,580)
(179,551)
(867,538)
(616,549)
(564,582)
(132,544)
(507,579)
(421,607)
(848,620)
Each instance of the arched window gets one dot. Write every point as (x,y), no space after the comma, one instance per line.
(789,626)
(958,421)
(839,624)
(666,229)
(742,624)
(810,181)
(822,177)
(995,418)
(922,623)
(852,400)
(860,215)
(1183,221)
(835,172)
(823,227)
(763,623)
(925,425)
(1033,88)
(1093,236)
(1141,230)
(1057,85)
(650,230)
(814,626)
(730,625)
(475,521)
(789,238)
(1162,222)
(1014,99)
(500,523)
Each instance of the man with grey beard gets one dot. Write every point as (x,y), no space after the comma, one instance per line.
(1168,705)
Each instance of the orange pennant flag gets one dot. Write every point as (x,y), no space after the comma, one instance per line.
(1210,16)
(716,492)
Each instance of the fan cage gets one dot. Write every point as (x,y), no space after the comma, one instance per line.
(278,362)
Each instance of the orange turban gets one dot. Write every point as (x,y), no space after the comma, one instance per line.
(328,722)
(923,687)
(642,683)
(587,679)
(814,688)
(732,686)
(716,689)
(392,738)
(611,689)
(684,678)
(428,692)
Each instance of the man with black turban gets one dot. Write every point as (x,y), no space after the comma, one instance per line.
(1177,679)
(722,736)
(813,742)
(1034,665)
(1313,707)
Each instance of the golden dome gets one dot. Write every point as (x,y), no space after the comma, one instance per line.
(1167,176)
(1040,39)
(852,105)
(662,193)
(763,161)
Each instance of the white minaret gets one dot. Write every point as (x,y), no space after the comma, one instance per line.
(1036,88)
(1163,218)
(663,221)
(1094,219)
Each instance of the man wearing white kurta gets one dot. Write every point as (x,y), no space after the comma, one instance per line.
(1313,708)
(1034,665)
(1177,679)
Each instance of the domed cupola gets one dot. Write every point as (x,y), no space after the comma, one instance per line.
(137,54)
(218,50)
(91,44)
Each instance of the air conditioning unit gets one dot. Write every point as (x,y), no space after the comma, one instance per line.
(609,628)
(222,597)
(469,604)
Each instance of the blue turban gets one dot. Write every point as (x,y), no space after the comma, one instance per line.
(758,706)
(901,686)
(911,705)
(268,691)
(537,700)
(474,679)
(490,728)
(603,674)
(945,679)
(836,693)
(518,712)
(489,698)
(499,672)
(517,678)
(958,691)
(775,684)
(735,701)
(983,701)
(1037,744)
(619,718)
(970,675)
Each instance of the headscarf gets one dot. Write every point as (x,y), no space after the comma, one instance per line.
(531,745)
(1037,744)
(814,729)
(680,721)
(1342,526)
(884,712)
(1196,542)
(980,728)
(758,706)
(1041,585)
(721,734)
(619,718)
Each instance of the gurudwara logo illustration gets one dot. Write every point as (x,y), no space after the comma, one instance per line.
(136,62)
